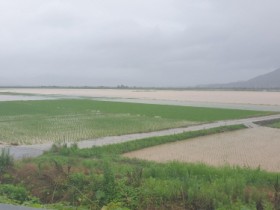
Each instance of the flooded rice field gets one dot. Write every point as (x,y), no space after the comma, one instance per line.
(259,100)
(254,147)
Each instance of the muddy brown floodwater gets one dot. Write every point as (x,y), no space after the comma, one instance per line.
(6,97)
(254,147)
(231,97)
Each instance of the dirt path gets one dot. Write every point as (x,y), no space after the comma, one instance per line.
(36,150)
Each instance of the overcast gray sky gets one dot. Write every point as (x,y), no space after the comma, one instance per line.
(137,42)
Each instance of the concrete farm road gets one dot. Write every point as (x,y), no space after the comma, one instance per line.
(22,151)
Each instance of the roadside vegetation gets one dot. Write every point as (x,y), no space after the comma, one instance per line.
(99,177)
(28,122)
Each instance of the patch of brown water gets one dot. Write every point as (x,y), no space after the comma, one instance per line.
(255,147)
(232,97)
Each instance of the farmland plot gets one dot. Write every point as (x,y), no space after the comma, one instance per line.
(42,129)
(29,122)
(255,147)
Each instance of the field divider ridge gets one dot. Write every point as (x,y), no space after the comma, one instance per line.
(22,151)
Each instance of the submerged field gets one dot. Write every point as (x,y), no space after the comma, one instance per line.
(255,147)
(217,96)
(27,122)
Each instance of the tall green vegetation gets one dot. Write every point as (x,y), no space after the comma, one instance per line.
(6,160)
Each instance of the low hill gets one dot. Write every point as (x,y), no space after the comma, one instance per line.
(266,81)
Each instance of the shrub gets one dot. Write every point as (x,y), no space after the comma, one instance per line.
(14,192)
(6,160)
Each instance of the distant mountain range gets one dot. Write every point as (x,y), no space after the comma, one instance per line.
(266,81)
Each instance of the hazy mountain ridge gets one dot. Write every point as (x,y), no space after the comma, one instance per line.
(266,81)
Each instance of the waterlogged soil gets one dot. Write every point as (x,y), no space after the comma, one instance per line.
(254,147)
(6,97)
(231,97)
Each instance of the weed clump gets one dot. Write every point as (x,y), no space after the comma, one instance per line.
(6,160)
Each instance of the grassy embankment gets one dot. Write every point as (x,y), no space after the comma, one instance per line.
(271,123)
(72,178)
(276,125)
(72,120)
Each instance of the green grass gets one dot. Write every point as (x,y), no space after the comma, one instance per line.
(73,120)
(270,123)
(276,125)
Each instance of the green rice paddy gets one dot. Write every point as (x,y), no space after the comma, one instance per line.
(73,120)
